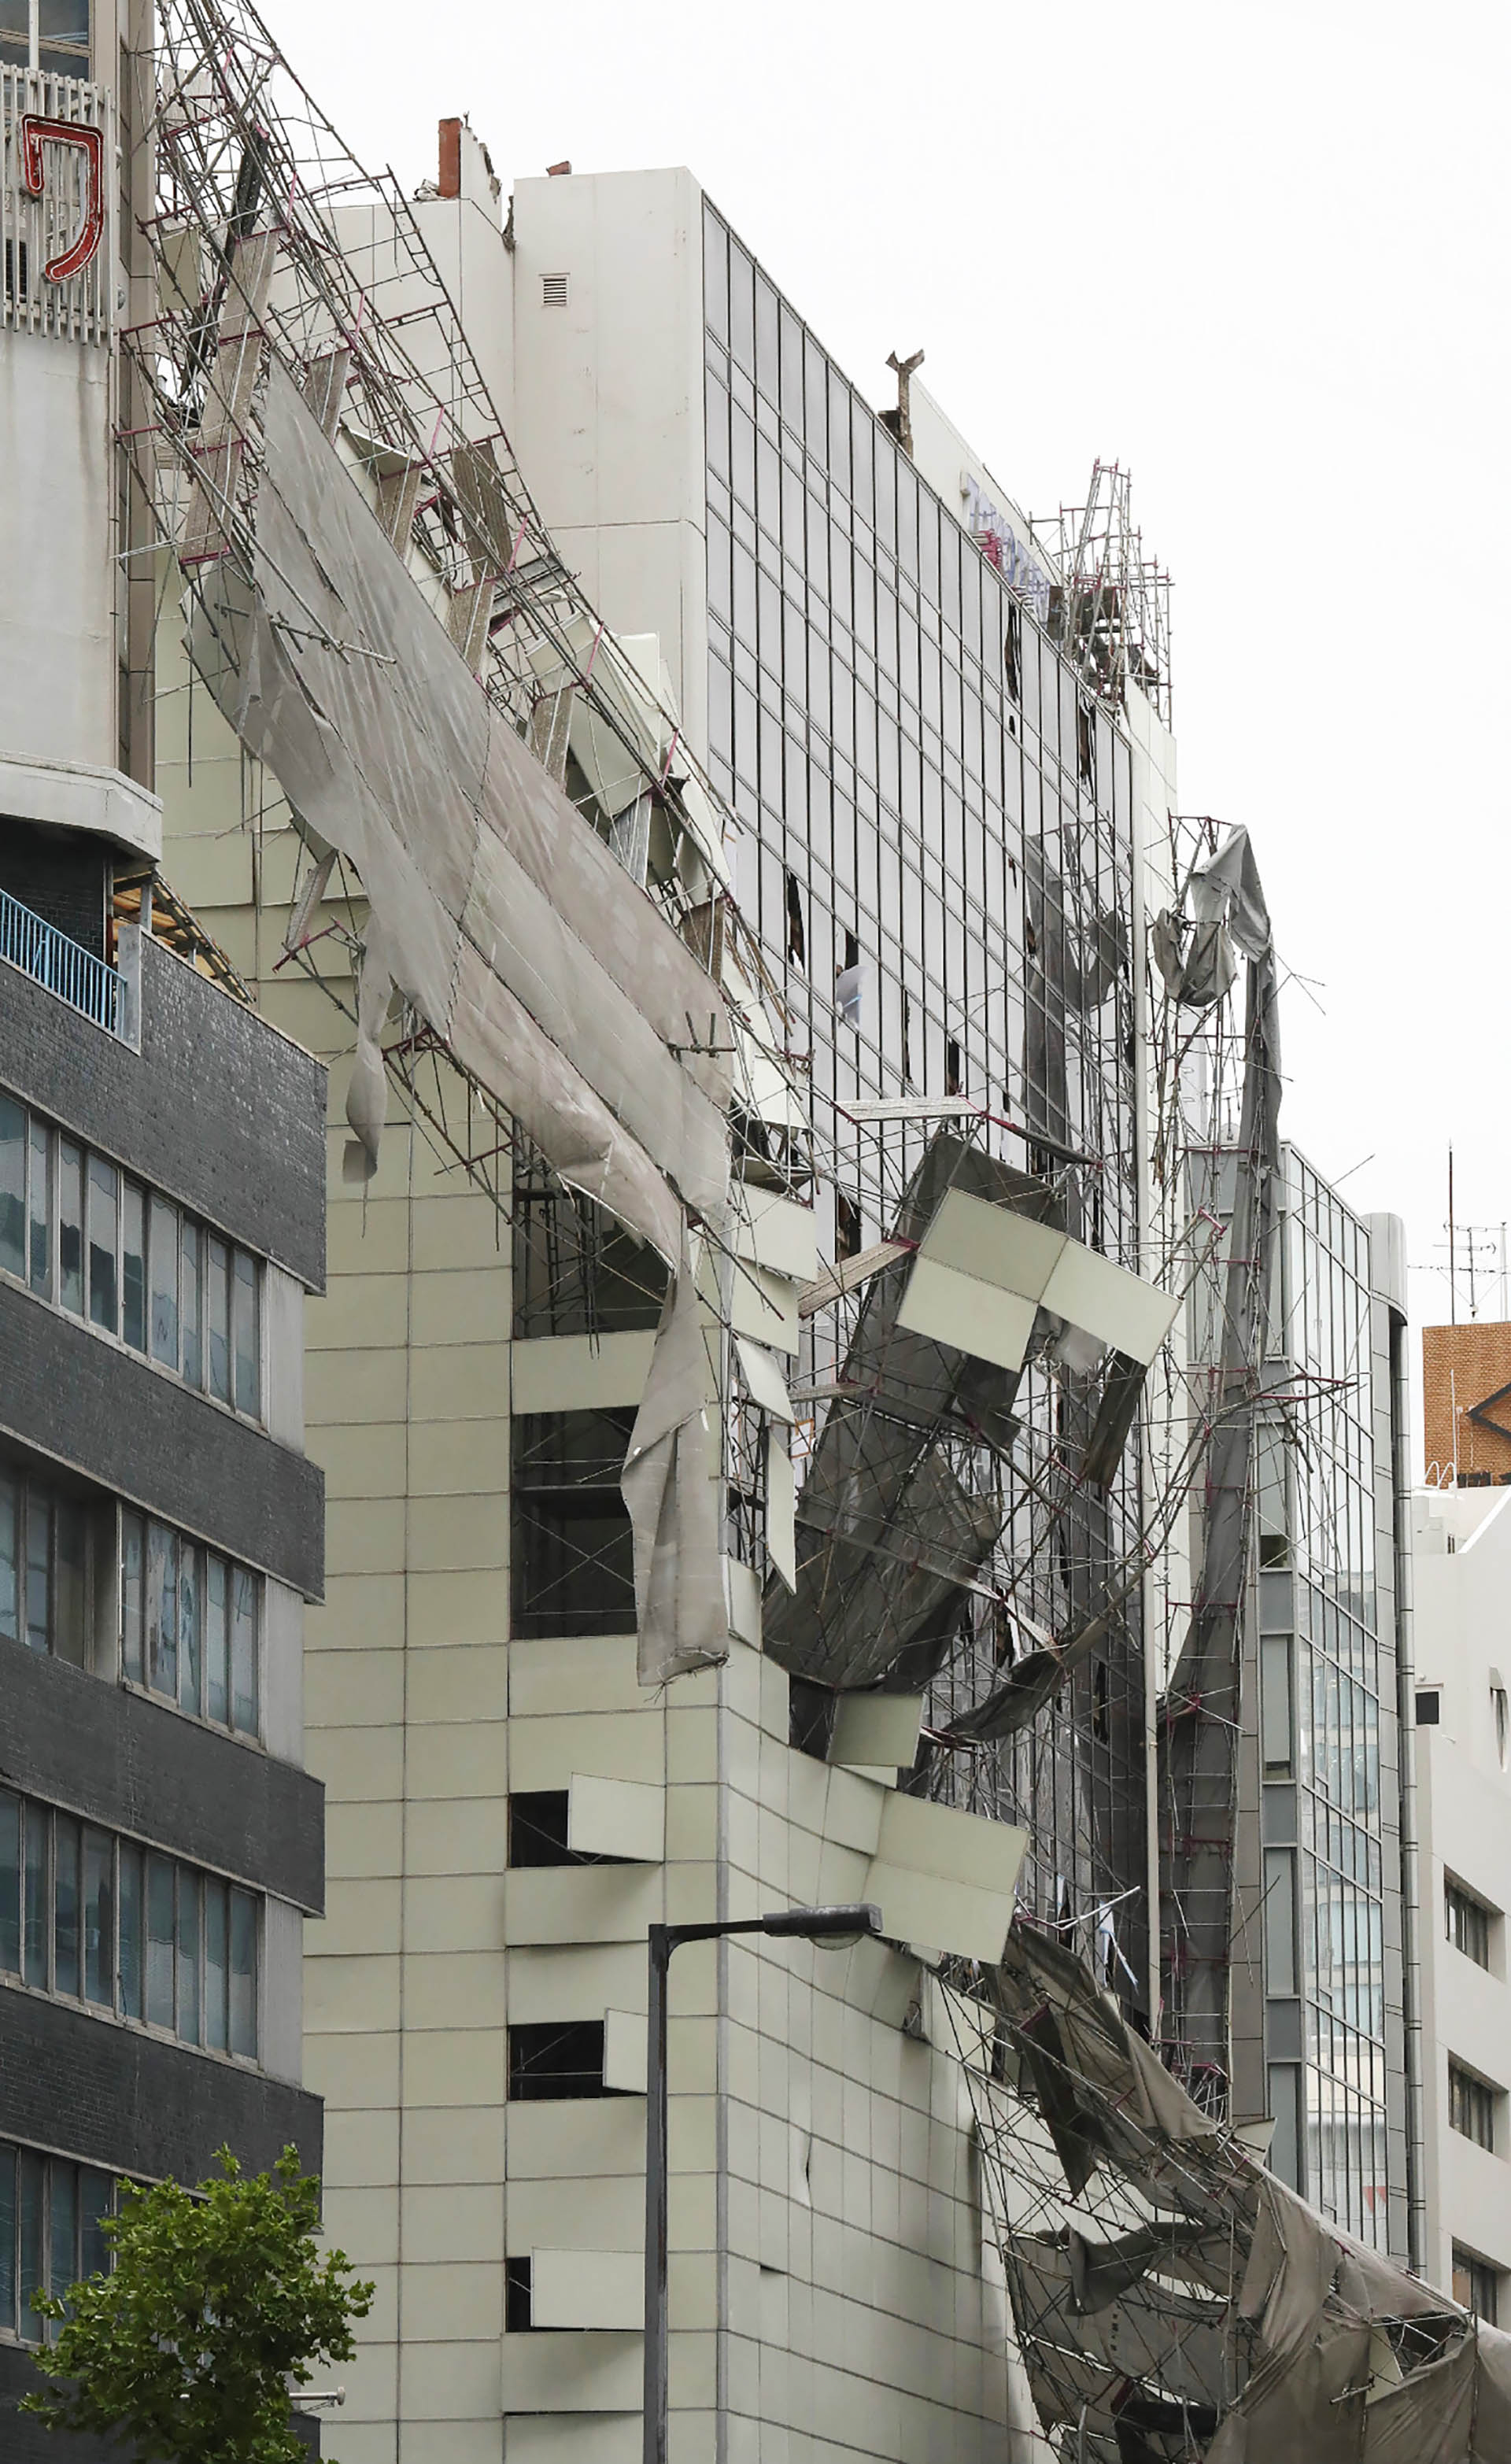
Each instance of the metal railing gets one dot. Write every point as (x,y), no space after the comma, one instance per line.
(63,966)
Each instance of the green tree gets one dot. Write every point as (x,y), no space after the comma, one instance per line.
(218,2298)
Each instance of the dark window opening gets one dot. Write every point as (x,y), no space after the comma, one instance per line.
(1085,748)
(810,1712)
(1100,1714)
(573,1561)
(852,950)
(954,1073)
(797,936)
(848,1235)
(1275,1549)
(549,2059)
(1013,655)
(907,1041)
(537,1830)
(518,2295)
(576,1270)
(1428,1709)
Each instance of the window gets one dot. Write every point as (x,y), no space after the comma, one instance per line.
(797,936)
(552,2058)
(51,2215)
(1471,2106)
(1467,1923)
(848,1232)
(576,1270)
(1476,2285)
(519,2296)
(95,1919)
(127,1261)
(573,1569)
(188,1624)
(1429,1711)
(48,1558)
(1497,1704)
(954,1072)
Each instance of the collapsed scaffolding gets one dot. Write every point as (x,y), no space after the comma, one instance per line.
(519,898)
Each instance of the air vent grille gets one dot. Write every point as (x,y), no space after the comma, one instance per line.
(555,289)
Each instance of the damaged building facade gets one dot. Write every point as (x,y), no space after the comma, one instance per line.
(162,1209)
(728,852)
(944,846)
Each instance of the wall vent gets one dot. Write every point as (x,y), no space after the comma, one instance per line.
(555,289)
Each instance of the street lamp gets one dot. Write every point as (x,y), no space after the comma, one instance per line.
(835,1926)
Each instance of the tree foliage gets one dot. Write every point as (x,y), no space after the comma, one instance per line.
(218,2299)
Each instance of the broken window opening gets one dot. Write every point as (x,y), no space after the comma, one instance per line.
(1013,655)
(796,935)
(954,1070)
(552,2059)
(519,2296)
(849,1231)
(1101,1712)
(907,1041)
(576,1270)
(1085,748)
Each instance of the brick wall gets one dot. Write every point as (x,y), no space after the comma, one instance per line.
(60,877)
(1462,1367)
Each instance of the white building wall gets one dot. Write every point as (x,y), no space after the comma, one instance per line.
(1462,1623)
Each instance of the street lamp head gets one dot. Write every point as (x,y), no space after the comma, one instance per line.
(833,1927)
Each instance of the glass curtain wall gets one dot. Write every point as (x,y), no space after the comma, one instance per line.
(934,847)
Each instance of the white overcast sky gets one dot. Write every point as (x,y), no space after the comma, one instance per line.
(1258,253)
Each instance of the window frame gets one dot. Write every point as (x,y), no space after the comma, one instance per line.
(128,1961)
(245,1270)
(16,2157)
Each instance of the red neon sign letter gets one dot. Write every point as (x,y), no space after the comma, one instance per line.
(35,132)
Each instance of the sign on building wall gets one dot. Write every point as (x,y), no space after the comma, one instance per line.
(55,257)
(1004,544)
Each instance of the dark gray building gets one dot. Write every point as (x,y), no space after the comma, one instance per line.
(161,1218)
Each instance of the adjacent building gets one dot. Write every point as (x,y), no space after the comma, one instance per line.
(161,1222)
(1322,1983)
(1461,1573)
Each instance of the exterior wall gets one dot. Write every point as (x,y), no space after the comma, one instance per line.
(1462,1575)
(1319,2046)
(1464,1367)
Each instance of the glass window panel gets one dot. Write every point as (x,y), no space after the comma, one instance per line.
(244,1327)
(191,1302)
(62,2251)
(10,1883)
(35,1898)
(94,2204)
(99,1919)
(66,1944)
(8,2224)
(70,1594)
(13,1187)
(217,1650)
(104,1207)
(217,1316)
(130,1955)
(40,1208)
(243,1974)
(32,2190)
(244,1651)
(217,1967)
(1280,1921)
(71,1226)
(134,1266)
(160,1942)
(38,1569)
(10,1556)
(190,1570)
(162,1251)
(161,1608)
(133,1575)
(188,1956)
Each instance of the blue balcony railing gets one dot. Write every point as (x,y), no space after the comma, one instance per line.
(73,973)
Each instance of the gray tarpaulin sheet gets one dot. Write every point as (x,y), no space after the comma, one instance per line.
(502,915)
(1280,2340)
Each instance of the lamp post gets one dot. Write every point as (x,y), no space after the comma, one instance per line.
(833,1926)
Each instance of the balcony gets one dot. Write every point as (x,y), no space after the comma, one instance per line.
(63,967)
